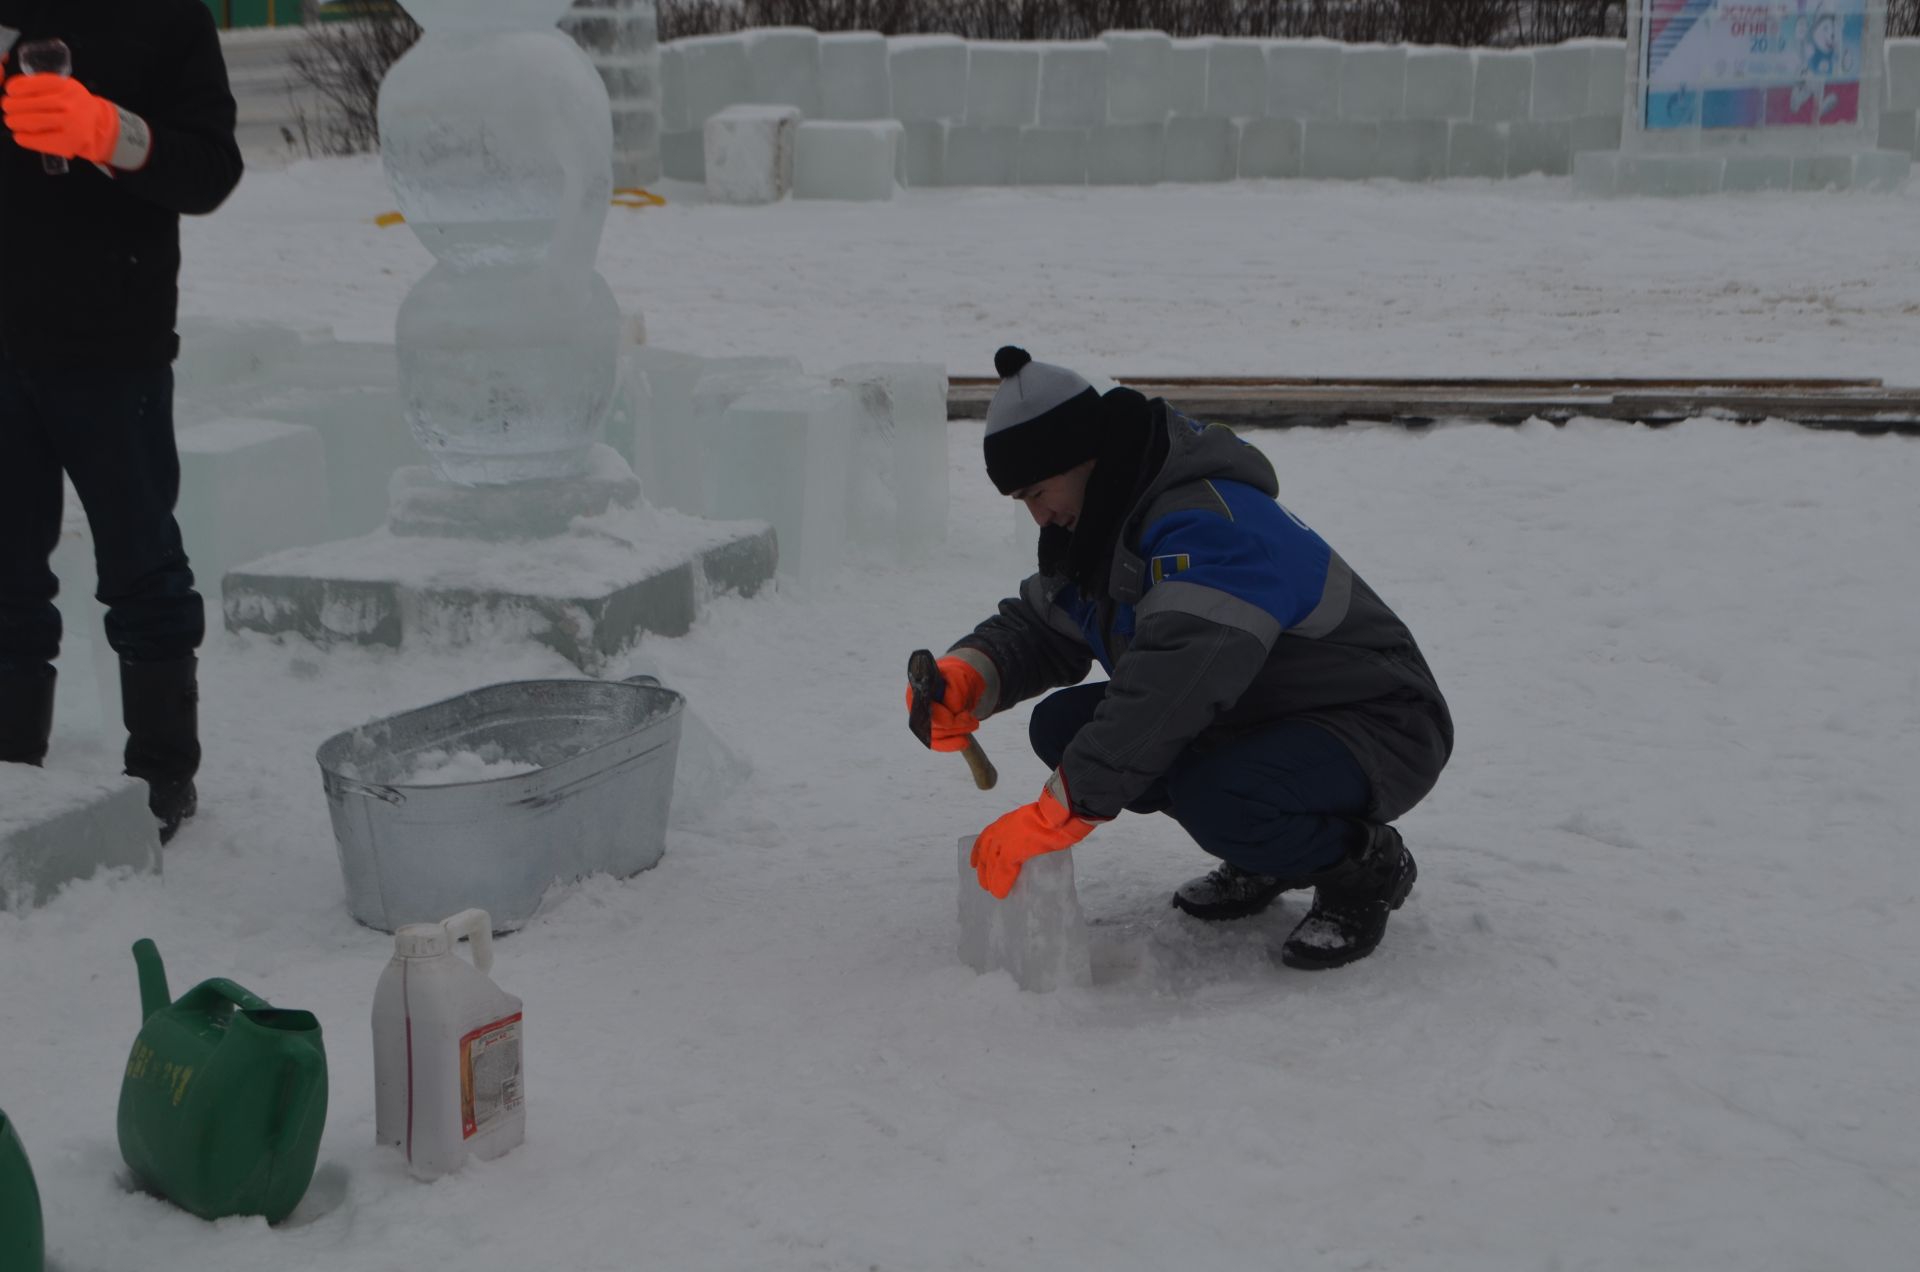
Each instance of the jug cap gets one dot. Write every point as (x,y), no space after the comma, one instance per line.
(422,940)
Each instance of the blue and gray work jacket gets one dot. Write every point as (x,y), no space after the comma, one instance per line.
(1226,613)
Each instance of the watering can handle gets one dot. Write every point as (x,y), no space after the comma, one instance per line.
(221,987)
(477,927)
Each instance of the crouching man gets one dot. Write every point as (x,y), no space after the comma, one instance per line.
(1259,692)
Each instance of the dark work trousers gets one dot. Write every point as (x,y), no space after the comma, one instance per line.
(111,431)
(1281,801)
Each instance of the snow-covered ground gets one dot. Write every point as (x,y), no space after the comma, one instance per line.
(1654,1003)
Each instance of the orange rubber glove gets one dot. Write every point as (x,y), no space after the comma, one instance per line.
(56,115)
(952,717)
(1046,825)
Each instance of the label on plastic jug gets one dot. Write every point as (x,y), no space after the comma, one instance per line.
(489,1074)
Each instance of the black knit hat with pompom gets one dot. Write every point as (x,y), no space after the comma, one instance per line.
(1043,420)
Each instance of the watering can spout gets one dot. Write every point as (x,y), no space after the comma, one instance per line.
(153,977)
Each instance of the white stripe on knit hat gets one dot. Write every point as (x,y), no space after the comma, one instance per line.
(1030,393)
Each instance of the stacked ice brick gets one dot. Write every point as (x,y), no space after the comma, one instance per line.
(1137,107)
(622,39)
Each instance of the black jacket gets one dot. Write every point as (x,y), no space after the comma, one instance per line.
(90,262)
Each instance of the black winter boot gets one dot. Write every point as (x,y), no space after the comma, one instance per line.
(1351,902)
(160,703)
(1228,892)
(26,715)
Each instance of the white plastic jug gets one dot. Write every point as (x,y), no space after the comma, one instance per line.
(446,1049)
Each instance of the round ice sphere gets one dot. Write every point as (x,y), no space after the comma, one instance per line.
(485,15)
(499,148)
(508,372)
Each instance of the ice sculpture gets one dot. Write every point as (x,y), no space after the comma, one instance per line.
(496,135)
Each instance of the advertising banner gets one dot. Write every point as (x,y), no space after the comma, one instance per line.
(1752,64)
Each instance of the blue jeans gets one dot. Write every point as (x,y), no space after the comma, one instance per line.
(1286,800)
(111,431)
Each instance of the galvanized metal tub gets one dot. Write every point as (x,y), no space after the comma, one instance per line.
(597,803)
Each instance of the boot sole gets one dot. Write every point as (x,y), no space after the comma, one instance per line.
(1309,958)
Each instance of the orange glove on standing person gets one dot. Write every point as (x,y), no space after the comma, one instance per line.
(58,116)
(952,717)
(1046,825)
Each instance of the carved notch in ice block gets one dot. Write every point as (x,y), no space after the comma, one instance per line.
(1038,934)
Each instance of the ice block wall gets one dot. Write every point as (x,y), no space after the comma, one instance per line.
(1138,107)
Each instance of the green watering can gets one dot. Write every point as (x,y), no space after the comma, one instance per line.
(20,1240)
(224,1099)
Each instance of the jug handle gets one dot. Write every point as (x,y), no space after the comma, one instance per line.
(477,927)
(222,988)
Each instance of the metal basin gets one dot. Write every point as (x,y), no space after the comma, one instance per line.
(414,851)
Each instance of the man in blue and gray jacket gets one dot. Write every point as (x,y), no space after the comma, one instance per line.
(1259,692)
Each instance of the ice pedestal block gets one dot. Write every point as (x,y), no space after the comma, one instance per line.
(1373,82)
(854,81)
(664,384)
(1603,173)
(425,505)
(1053,156)
(1439,84)
(249,487)
(1903,75)
(846,160)
(1748,173)
(1037,935)
(898,492)
(1003,84)
(1073,84)
(1596,132)
(929,75)
(588,595)
(1127,154)
(749,154)
(1138,76)
(784,65)
(1303,79)
(1236,79)
(1187,63)
(783,456)
(58,825)
(1202,148)
(1271,148)
(1502,86)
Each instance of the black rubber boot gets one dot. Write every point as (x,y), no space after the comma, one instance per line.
(26,715)
(160,703)
(1228,892)
(1351,902)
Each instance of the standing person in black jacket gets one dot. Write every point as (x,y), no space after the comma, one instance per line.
(87,307)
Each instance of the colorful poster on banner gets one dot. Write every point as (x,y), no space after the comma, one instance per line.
(1752,64)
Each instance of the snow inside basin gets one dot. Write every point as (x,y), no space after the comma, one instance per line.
(488,799)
